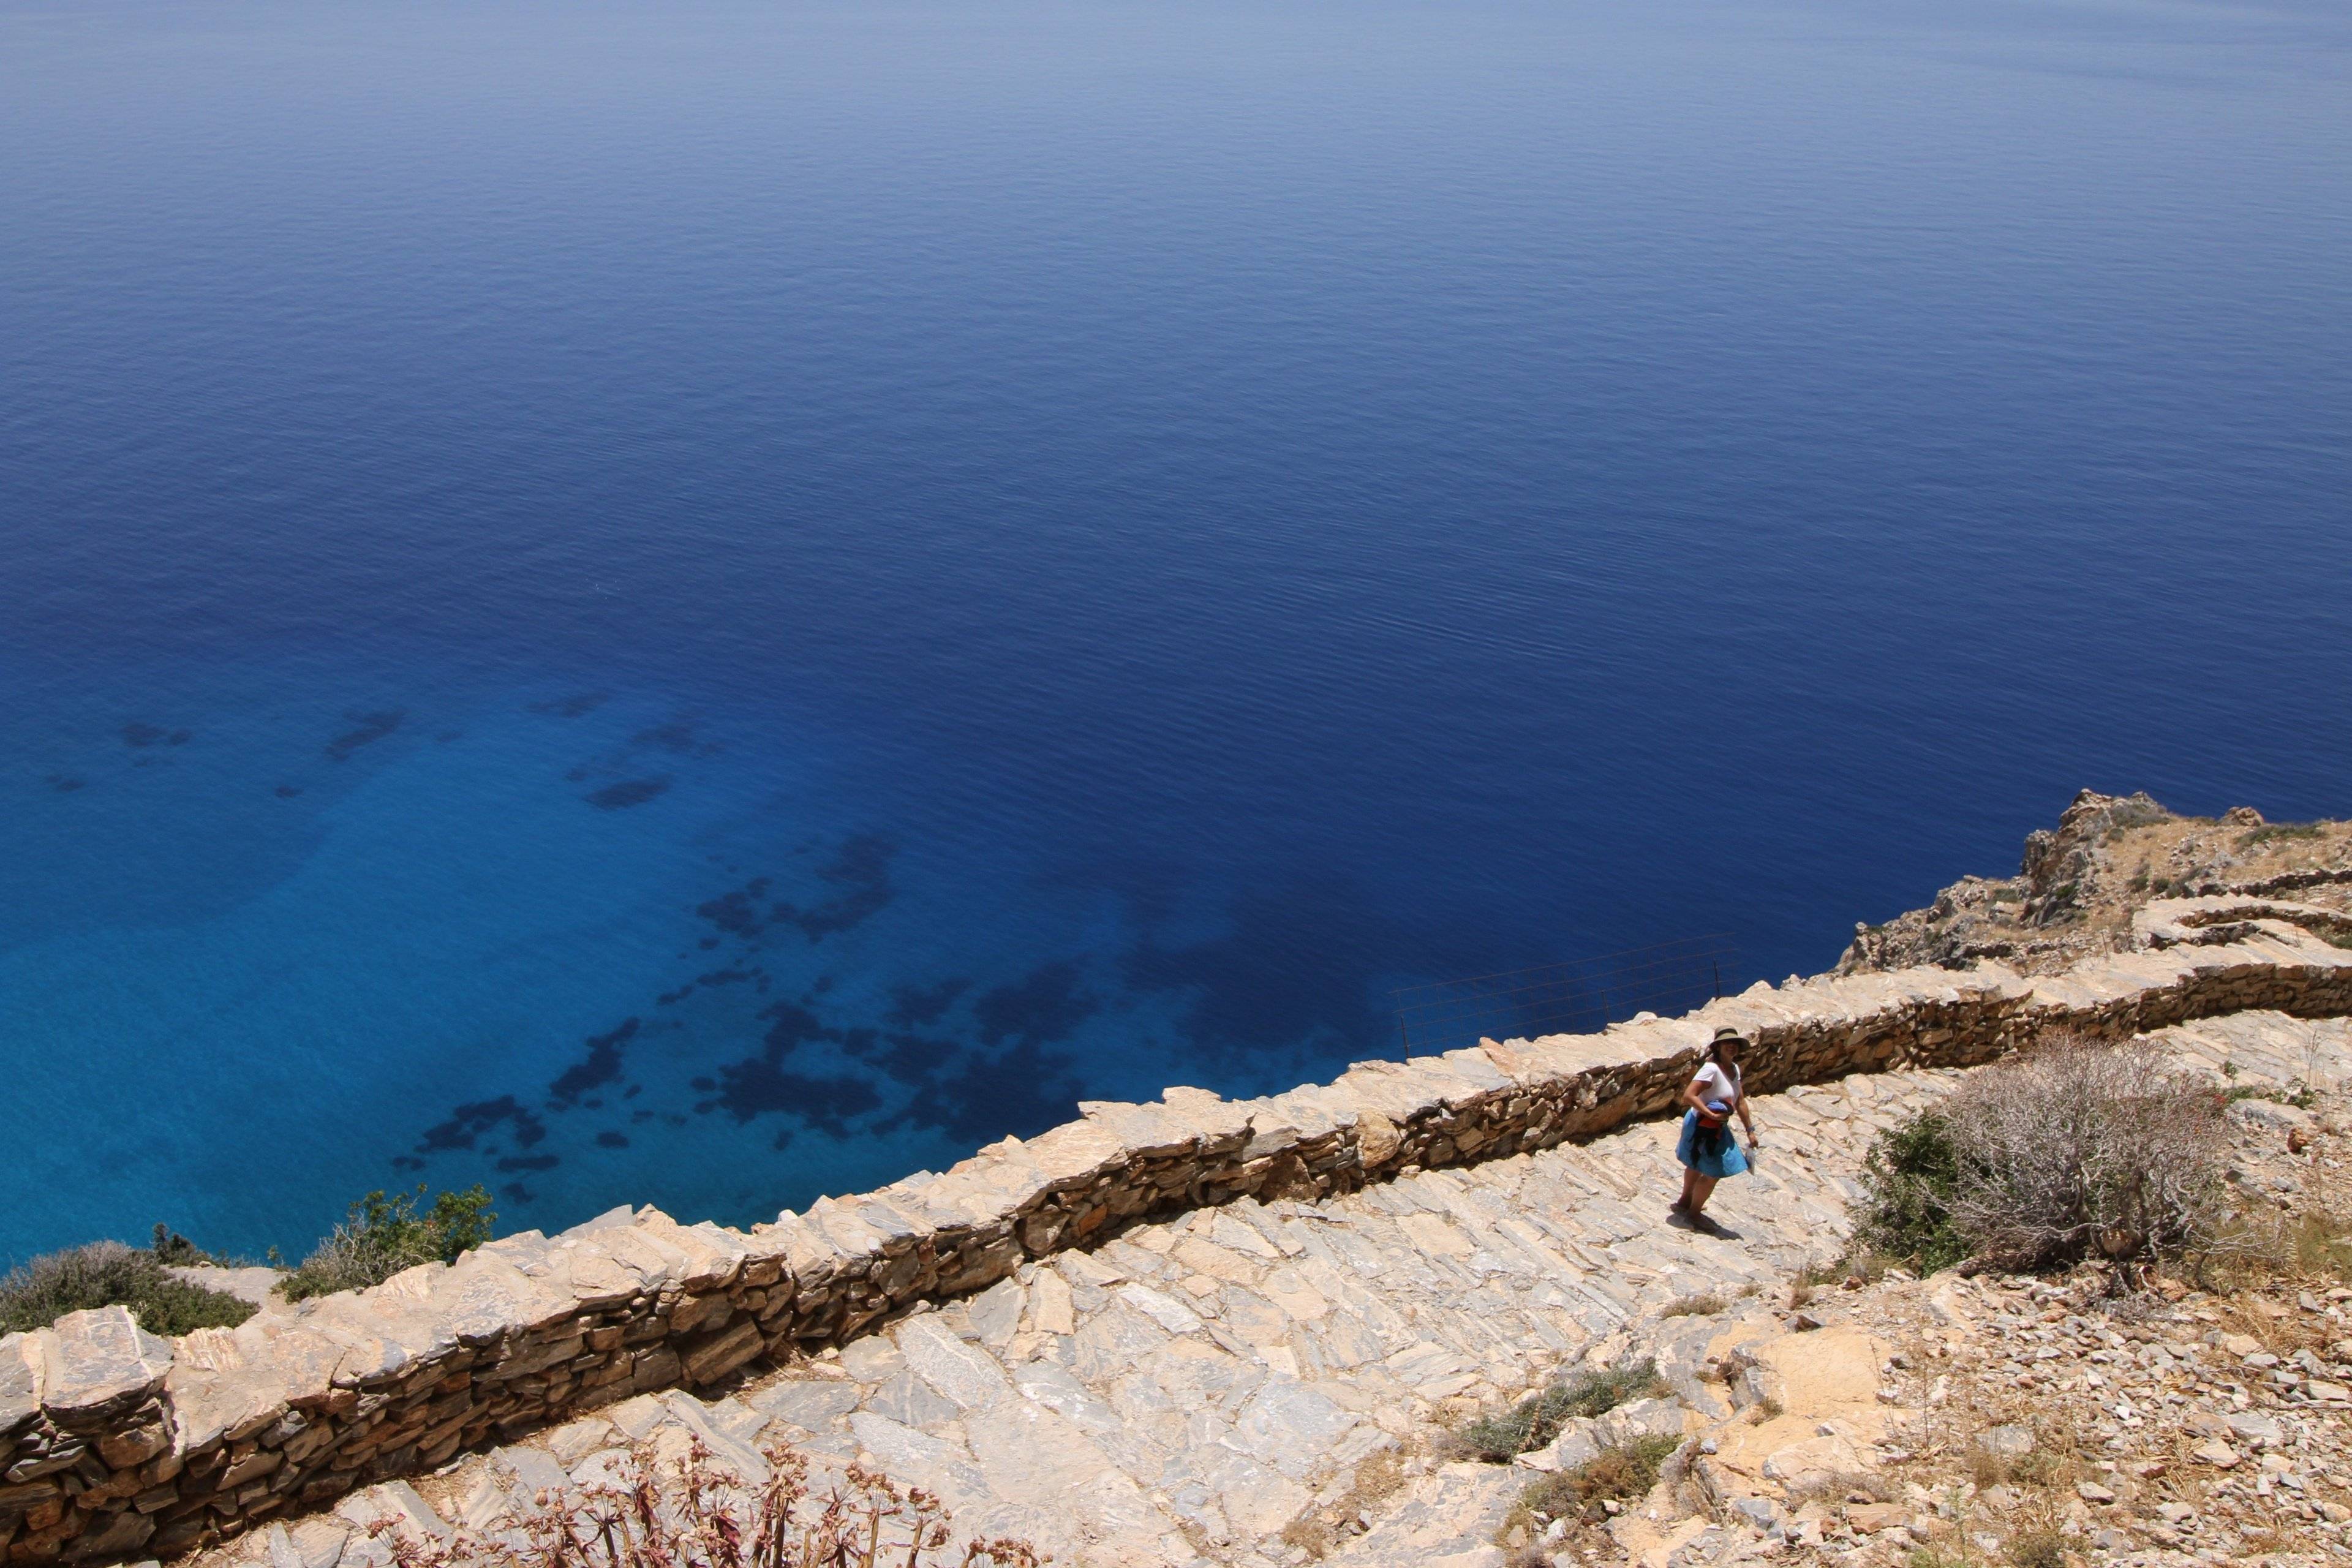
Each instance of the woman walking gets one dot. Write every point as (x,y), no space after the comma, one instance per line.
(1708,1152)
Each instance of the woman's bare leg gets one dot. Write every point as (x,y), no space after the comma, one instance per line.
(1700,1188)
(1690,1180)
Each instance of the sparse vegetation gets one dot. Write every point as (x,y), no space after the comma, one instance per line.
(383,1235)
(1614,1475)
(1929,1557)
(109,1274)
(2301,1096)
(1697,1306)
(2127,816)
(690,1514)
(1537,1420)
(2309,1245)
(2270,831)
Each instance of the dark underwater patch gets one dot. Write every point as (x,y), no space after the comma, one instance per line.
(572,707)
(860,871)
(912,1059)
(755,1085)
(530,1162)
(601,1066)
(676,738)
(406,1162)
(735,912)
(366,730)
(515,1192)
(1024,1092)
(287,792)
(631,792)
(608,1139)
(64,783)
(466,1124)
(918,1006)
(1293,964)
(1046,1006)
(759,1084)
(793,1026)
(141,734)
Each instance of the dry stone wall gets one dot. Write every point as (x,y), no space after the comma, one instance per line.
(113,1442)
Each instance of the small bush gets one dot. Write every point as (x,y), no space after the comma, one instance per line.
(2085,1148)
(2038,1549)
(109,1274)
(1907,1181)
(1613,1474)
(2077,1149)
(691,1515)
(383,1235)
(1537,1420)
(1692,1307)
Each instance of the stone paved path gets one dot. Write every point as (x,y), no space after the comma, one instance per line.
(1186,1392)
(1193,1390)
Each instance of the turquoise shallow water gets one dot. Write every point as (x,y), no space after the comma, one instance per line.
(714,604)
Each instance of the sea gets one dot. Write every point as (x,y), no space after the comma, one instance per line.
(712,603)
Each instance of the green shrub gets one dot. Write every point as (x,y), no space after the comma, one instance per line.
(1908,1179)
(2270,831)
(1537,1420)
(381,1236)
(109,1274)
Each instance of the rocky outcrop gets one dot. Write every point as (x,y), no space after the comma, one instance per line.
(2078,887)
(110,1441)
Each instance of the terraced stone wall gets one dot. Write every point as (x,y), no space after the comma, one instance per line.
(114,1443)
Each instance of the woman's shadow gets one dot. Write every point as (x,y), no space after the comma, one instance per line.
(1703,1225)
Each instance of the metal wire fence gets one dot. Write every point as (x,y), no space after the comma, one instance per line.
(1576,997)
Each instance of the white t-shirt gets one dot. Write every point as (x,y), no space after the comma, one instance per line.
(1714,1084)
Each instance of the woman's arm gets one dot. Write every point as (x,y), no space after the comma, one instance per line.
(1747,1120)
(1691,1097)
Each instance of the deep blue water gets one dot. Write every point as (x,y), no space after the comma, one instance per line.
(712,603)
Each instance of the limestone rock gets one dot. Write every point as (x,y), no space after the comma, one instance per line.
(99,1363)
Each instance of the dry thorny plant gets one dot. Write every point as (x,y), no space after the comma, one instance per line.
(2086,1147)
(690,1514)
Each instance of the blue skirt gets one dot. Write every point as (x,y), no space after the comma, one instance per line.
(1711,1152)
